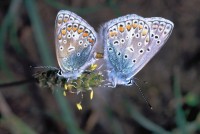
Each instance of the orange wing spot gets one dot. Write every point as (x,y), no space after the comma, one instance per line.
(75,27)
(112,34)
(144,32)
(80,30)
(69,28)
(59,37)
(85,34)
(140,26)
(121,29)
(63,31)
(128,27)
(135,25)
(65,20)
(91,40)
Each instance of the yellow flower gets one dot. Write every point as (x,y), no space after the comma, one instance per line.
(69,86)
(79,106)
(91,94)
(93,67)
(64,93)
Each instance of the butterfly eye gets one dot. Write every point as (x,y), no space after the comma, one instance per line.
(78,54)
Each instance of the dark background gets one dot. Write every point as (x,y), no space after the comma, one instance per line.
(173,75)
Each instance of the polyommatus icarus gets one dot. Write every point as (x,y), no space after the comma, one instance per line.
(75,41)
(130,42)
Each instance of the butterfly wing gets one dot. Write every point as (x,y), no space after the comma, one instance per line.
(160,30)
(129,45)
(75,40)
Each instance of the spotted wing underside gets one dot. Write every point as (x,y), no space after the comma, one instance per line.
(75,40)
(131,41)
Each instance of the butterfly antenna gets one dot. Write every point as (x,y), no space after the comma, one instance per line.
(100,67)
(143,96)
(145,82)
(45,67)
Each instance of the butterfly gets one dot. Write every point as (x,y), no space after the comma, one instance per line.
(130,42)
(75,41)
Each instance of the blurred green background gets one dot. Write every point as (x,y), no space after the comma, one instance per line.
(173,75)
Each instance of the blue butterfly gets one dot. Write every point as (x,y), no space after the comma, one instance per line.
(130,42)
(75,41)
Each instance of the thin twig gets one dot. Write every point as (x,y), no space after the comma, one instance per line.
(16,83)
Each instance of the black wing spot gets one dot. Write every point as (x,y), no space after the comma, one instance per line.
(125,56)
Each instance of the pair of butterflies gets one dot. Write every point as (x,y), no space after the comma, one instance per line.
(129,44)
